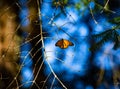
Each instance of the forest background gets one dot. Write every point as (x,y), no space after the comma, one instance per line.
(30,29)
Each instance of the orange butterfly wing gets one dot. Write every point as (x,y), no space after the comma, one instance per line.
(63,43)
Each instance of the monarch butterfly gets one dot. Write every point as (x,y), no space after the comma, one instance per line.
(63,43)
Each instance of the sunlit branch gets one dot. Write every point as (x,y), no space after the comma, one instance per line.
(52,83)
(93,15)
(56,76)
(105,6)
(45,80)
(22,65)
(44,47)
(38,72)
(25,83)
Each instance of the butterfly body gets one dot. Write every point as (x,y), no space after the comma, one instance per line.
(63,43)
